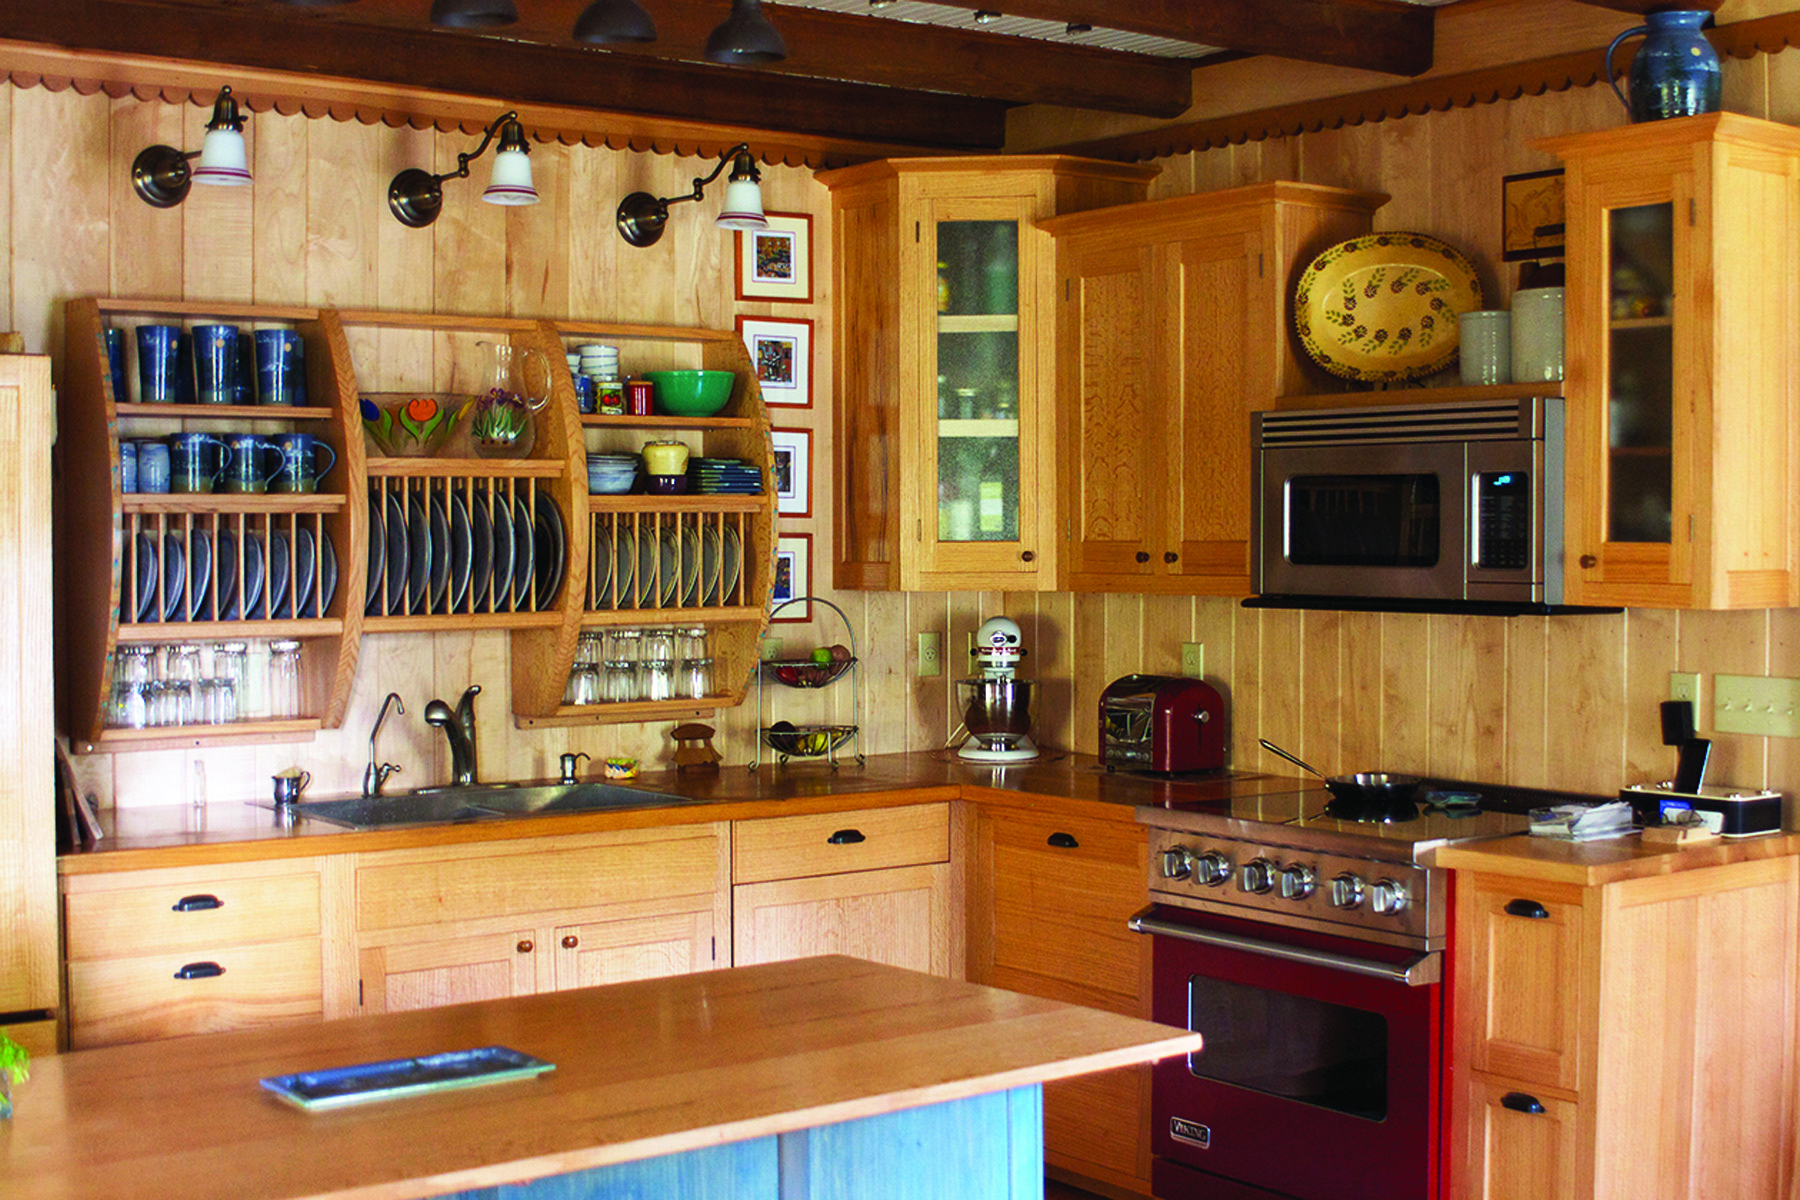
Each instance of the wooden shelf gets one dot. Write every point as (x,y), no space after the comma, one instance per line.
(230,502)
(187,737)
(620,713)
(737,614)
(980,323)
(446,622)
(108,305)
(980,427)
(645,333)
(131,410)
(698,502)
(1629,323)
(228,631)
(628,423)
(456,468)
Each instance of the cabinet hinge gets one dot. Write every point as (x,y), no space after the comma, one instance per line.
(1690,527)
(1259,264)
(1068,289)
(919,530)
(1693,212)
(359,995)
(918,234)
(715,949)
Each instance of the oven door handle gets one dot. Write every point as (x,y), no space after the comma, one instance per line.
(1419,971)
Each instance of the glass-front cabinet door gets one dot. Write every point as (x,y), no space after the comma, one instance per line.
(979,449)
(1640,372)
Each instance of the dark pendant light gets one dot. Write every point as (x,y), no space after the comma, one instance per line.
(473,14)
(746,39)
(609,22)
(314,3)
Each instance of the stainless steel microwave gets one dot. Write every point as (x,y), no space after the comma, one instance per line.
(1452,506)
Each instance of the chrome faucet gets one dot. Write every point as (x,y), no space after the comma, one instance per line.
(459,728)
(377,772)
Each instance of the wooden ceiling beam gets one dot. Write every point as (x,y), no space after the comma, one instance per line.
(1641,7)
(517,72)
(1375,35)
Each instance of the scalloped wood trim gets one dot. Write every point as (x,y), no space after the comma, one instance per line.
(1742,39)
(29,65)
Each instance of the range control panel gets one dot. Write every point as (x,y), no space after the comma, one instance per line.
(1249,879)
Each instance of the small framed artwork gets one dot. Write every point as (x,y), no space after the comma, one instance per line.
(1531,216)
(781,351)
(793,471)
(776,263)
(793,576)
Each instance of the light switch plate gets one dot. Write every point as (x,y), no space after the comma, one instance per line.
(1756,704)
(1684,685)
(931,654)
(1193,659)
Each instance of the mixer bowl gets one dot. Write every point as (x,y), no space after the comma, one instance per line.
(995,711)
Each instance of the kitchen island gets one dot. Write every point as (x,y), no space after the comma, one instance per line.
(832,1076)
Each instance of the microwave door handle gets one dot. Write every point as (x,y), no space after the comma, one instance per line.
(1418,971)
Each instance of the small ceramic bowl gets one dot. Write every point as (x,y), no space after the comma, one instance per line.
(666,485)
(620,768)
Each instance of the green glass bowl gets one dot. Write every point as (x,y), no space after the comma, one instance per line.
(691,393)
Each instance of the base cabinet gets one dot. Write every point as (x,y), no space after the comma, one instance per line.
(1602,1030)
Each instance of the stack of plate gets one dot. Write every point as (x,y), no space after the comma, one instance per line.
(190,576)
(611,474)
(724,476)
(443,555)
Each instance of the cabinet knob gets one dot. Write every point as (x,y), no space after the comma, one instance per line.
(570,941)
(1027,556)
(1589,562)
(1170,556)
(1529,909)
(200,970)
(1143,556)
(196,904)
(525,946)
(1521,1102)
(846,837)
(1062,841)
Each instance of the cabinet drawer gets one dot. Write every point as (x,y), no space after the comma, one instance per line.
(825,844)
(134,999)
(189,913)
(1526,941)
(1522,1143)
(504,880)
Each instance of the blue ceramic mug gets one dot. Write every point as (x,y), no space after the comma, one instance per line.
(152,466)
(215,350)
(254,461)
(159,364)
(280,371)
(300,470)
(197,461)
(115,363)
(128,466)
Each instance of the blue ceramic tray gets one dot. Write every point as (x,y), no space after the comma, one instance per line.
(364,1082)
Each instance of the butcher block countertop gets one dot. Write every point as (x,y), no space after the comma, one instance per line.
(642,1069)
(1613,860)
(177,835)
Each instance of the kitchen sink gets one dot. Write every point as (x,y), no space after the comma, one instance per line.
(482,802)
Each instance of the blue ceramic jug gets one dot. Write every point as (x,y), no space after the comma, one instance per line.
(1675,73)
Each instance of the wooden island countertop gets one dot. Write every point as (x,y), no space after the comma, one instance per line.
(642,1070)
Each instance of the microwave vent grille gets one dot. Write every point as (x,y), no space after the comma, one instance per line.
(1477,420)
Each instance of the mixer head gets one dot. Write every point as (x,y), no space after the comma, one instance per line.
(997,648)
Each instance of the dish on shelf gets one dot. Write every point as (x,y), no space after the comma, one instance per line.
(200,577)
(481,552)
(552,551)
(807,741)
(253,574)
(328,579)
(440,556)
(399,546)
(418,550)
(524,546)
(305,563)
(174,566)
(500,514)
(618,546)
(692,393)
(690,566)
(461,552)
(734,561)
(1383,307)
(411,424)
(377,551)
(600,564)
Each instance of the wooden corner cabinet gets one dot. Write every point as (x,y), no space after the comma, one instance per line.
(1172,329)
(1683,372)
(146,573)
(944,406)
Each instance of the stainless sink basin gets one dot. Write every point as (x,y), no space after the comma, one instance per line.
(482,802)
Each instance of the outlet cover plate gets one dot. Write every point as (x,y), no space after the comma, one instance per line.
(1756,704)
(1685,685)
(931,654)
(1193,659)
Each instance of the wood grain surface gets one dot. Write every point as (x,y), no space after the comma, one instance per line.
(642,1069)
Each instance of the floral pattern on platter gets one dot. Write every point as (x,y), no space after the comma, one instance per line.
(1383,308)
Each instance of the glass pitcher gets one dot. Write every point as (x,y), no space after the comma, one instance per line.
(503,426)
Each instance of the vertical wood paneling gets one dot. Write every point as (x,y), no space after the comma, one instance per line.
(145,241)
(1586,734)
(1719,643)
(1650,654)
(217,237)
(1468,713)
(1528,714)
(1060,713)
(278,234)
(1360,697)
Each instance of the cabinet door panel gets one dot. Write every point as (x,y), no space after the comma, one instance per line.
(204,909)
(449,970)
(900,917)
(1527,1002)
(1097,1124)
(1520,1155)
(600,952)
(868,839)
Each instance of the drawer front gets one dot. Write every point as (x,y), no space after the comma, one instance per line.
(226,987)
(830,843)
(432,890)
(1523,1145)
(189,914)
(1525,943)
(1058,892)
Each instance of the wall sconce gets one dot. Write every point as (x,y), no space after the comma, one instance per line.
(418,196)
(161,175)
(642,216)
(746,39)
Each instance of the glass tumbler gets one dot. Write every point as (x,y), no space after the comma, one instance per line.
(229,664)
(694,681)
(620,684)
(690,642)
(584,684)
(658,645)
(622,645)
(284,679)
(656,679)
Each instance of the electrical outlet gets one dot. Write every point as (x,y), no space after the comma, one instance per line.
(1685,685)
(1193,659)
(931,655)
(1756,704)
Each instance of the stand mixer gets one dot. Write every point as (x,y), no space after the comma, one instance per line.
(996,706)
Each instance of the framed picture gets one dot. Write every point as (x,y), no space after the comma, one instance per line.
(793,576)
(1531,216)
(793,471)
(781,351)
(776,263)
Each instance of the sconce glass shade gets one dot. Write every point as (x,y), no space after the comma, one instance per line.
(511,181)
(612,22)
(746,39)
(223,161)
(743,207)
(473,14)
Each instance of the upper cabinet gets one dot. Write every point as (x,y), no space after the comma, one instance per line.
(1171,329)
(945,422)
(1683,371)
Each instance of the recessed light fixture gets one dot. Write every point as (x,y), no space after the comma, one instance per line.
(986,16)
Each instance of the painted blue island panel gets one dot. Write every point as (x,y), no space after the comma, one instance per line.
(988,1147)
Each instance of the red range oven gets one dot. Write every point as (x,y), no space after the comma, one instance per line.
(1308,952)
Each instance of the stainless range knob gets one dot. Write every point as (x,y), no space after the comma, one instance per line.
(1388,898)
(1257,876)
(1177,862)
(1296,882)
(1346,891)
(1212,869)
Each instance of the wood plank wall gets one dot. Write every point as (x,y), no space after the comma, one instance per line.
(1561,702)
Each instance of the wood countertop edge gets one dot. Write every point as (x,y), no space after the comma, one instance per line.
(1595,864)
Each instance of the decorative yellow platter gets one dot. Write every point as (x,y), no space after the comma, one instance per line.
(1383,308)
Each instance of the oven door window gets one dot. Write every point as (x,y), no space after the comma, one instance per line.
(1364,520)
(1290,1046)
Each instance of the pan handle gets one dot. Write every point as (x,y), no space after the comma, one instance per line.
(1272,748)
